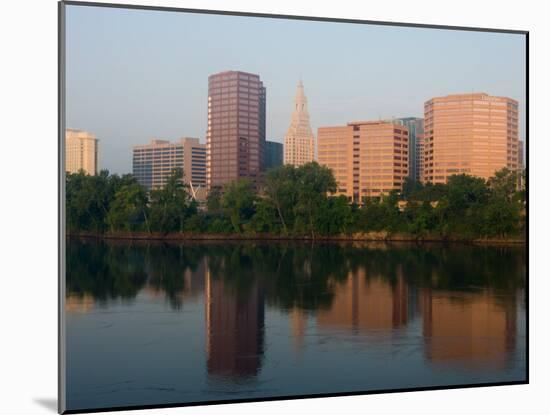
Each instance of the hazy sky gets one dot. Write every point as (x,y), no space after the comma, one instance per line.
(133,75)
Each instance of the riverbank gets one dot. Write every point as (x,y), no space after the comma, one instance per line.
(363,237)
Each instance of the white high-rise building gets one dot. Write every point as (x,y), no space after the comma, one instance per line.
(299,140)
(81,148)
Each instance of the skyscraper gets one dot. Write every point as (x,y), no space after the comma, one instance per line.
(235,137)
(81,152)
(419,157)
(476,134)
(273,154)
(521,155)
(416,130)
(154,162)
(368,158)
(299,140)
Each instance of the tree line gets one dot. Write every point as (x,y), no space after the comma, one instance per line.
(299,201)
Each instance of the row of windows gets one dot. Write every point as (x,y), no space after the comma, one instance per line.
(158,151)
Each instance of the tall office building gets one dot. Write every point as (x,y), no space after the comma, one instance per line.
(81,152)
(154,162)
(235,137)
(419,158)
(476,134)
(521,154)
(415,126)
(299,140)
(273,156)
(368,158)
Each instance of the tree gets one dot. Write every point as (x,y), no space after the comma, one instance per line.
(87,200)
(335,216)
(502,214)
(314,182)
(419,217)
(504,184)
(501,218)
(214,200)
(411,189)
(170,204)
(265,219)
(379,215)
(128,210)
(464,191)
(281,191)
(238,202)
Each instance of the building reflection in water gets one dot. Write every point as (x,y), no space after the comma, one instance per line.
(459,329)
(470,330)
(191,287)
(234,328)
(298,321)
(364,303)
(79,303)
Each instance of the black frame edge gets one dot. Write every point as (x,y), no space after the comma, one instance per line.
(291,17)
(61,335)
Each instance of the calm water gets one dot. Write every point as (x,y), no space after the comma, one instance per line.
(158,324)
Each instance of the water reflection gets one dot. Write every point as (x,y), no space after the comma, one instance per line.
(462,301)
(469,330)
(234,326)
(363,303)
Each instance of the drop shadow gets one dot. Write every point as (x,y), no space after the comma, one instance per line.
(48,403)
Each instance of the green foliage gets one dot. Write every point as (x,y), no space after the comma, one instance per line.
(419,218)
(214,200)
(169,206)
(281,191)
(314,182)
(128,210)
(381,215)
(88,199)
(220,224)
(298,201)
(335,216)
(238,202)
(265,220)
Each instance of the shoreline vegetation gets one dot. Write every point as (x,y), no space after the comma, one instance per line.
(359,237)
(298,203)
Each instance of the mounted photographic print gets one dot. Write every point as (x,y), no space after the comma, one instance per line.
(258,207)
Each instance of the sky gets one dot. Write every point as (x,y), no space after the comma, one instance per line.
(135,75)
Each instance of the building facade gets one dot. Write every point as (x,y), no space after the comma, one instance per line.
(415,126)
(475,134)
(368,158)
(521,155)
(81,152)
(299,140)
(235,136)
(273,156)
(419,158)
(153,163)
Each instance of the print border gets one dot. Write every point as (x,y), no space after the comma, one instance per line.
(61,206)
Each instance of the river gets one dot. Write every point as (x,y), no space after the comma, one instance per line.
(154,323)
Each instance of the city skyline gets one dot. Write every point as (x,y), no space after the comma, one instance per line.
(127,95)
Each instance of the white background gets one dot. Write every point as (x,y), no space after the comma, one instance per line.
(28,203)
